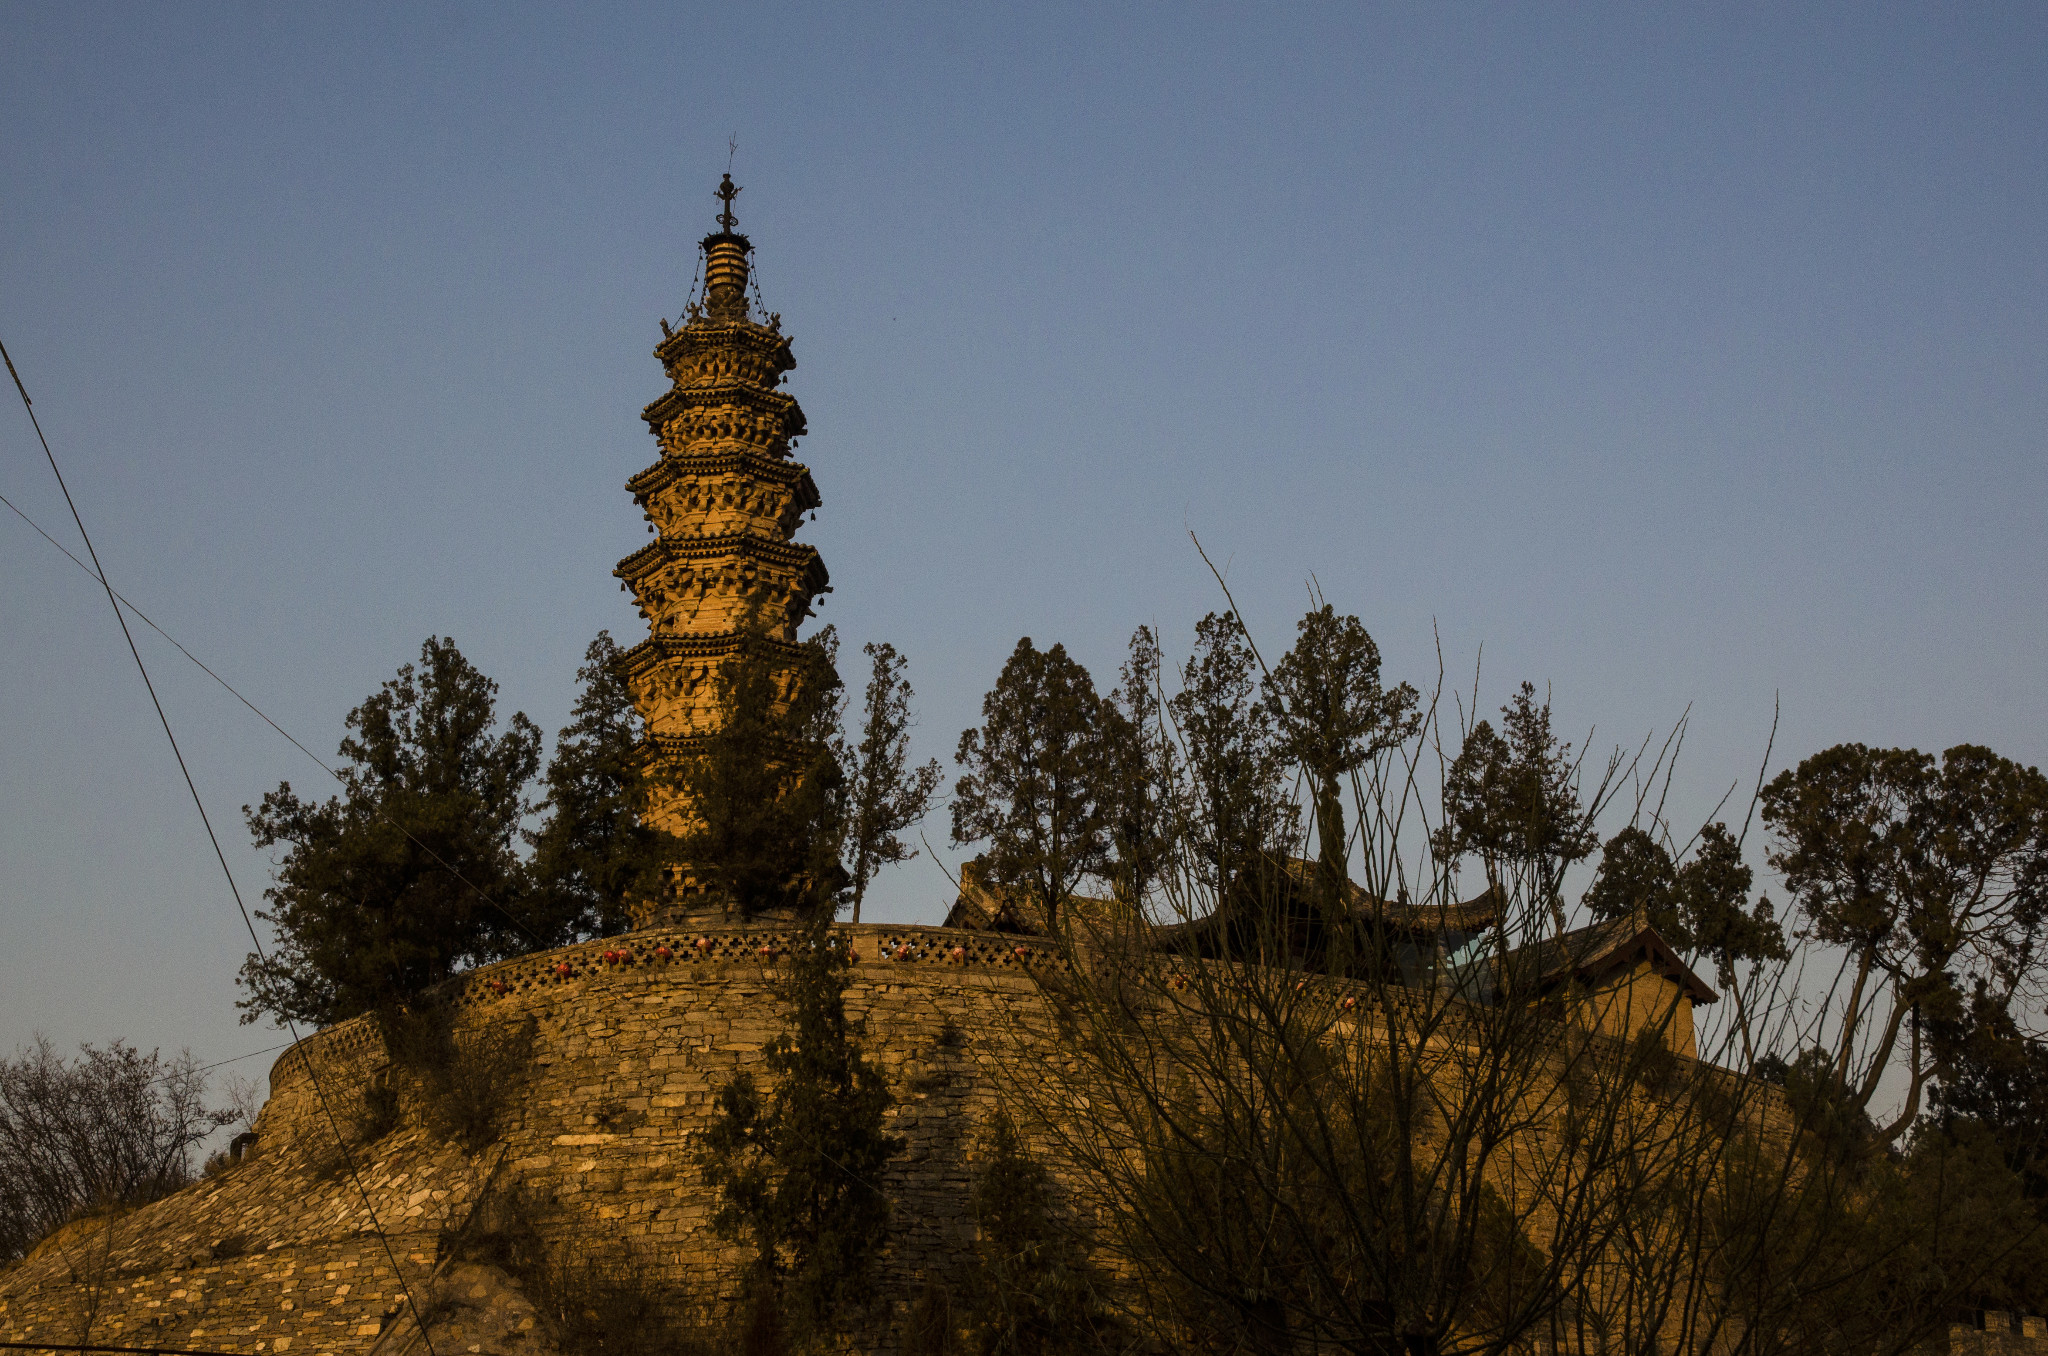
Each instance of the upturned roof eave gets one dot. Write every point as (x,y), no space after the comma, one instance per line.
(664,550)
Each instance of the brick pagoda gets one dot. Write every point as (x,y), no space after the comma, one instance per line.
(724,502)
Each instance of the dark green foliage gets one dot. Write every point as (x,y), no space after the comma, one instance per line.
(1031,1293)
(1140,771)
(112,1129)
(1334,717)
(463,1081)
(929,1329)
(1973,1216)
(1701,907)
(1996,1076)
(1855,1251)
(1713,890)
(758,1326)
(378,1110)
(885,795)
(1512,798)
(766,792)
(798,1166)
(592,853)
(1720,922)
(1033,785)
(1636,873)
(595,1301)
(1992,1103)
(592,1296)
(1932,878)
(1241,818)
(1829,1120)
(409,875)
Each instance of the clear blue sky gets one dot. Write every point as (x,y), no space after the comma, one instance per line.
(1678,356)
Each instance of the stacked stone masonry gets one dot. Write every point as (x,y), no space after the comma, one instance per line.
(633,1037)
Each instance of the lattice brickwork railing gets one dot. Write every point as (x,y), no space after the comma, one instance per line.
(674,953)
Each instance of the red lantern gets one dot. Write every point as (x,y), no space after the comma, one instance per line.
(662,952)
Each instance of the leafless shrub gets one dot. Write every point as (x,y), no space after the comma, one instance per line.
(113,1129)
(1297,1125)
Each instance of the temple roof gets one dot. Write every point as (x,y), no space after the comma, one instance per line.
(1590,954)
(765,339)
(990,909)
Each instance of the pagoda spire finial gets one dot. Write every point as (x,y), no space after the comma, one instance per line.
(725,261)
(725,193)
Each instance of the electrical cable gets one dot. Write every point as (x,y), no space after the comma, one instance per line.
(131,1351)
(99,572)
(221,1063)
(261,715)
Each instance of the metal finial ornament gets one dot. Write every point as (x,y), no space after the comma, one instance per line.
(727,191)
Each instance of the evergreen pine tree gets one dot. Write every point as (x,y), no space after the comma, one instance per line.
(1031,1290)
(885,795)
(593,853)
(1241,817)
(1637,873)
(1512,798)
(410,874)
(1334,717)
(1033,784)
(1141,769)
(798,1166)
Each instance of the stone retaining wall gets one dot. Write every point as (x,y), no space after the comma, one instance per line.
(633,1037)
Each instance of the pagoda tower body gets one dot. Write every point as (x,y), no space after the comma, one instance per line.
(724,501)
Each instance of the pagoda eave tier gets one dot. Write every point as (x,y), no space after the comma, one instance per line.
(782,412)
(661,651)
(801,561)
(673,746)
(752,462)
(763,341)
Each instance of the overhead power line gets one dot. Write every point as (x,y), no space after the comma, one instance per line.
(235,692)
(99,572)
(130,1351)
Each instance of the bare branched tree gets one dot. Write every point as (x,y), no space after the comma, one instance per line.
(113,1128)
(1446,1130)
